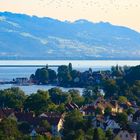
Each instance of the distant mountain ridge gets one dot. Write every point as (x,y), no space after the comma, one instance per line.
(31,37)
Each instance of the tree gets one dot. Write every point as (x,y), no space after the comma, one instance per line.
(122,119)
(109,134)
(57,96)
(122,99)
(89,134)
(56,138)
(9,130)
(73,122)
(24,127)
(45,124)
(70,67)
(42,75)
(117,71)
(110,88)
(130,111)
(107,111)
(39,137)
(90,94)
(64,76)
(99,134)
(79,135)
(52,76)
(37,102)
(76,97)
(133,74)
(98,111)
(12,98)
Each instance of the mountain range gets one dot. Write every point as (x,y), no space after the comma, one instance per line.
(31,37)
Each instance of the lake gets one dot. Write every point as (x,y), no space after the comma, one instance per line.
(8,73)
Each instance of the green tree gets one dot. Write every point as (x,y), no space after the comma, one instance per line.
(40,137)
(122,119)
(73,121)
(110,88)
(90,94)
(9,130)
(45,124)
(98,111)
(24,127)
(12,98)
(52,76)
(122,99)
(42,75)
(57,96)
(37,102)
(64,76)
(79,135)
(109,134)
(76,97)
(107,111)
(130,111)
(99,134)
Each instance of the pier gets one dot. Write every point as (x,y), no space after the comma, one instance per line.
(29,65)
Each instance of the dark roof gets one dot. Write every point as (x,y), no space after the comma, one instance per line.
(52,117)
(25,116)
(136,115)
(5,112)
(89,109)
(71,106)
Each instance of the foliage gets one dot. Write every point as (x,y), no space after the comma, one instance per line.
(9,130)
(122,119)
(12,98)
(99,134)
(122,99)
(58,97)
(37,102)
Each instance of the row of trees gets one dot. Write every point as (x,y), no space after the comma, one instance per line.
(55,98)
(65,76)
(51,100)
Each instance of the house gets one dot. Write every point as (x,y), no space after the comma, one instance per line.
(25,117)
(56,121)
(130,117)
(126,135)
(71,106)
(115,107)
(136,116)
(111,124)
(22,81)
(134,106)
(33,133)
(98,122)
(5,112)
(102,104)
(88,110)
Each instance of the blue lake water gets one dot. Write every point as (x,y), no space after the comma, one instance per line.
(8,73)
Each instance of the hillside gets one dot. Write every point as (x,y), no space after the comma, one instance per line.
(31,37)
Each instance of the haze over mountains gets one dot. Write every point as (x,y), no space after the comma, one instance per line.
(26,37)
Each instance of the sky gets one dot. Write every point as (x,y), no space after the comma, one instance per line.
(117,12)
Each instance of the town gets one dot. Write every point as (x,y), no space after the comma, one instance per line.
(108,108)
